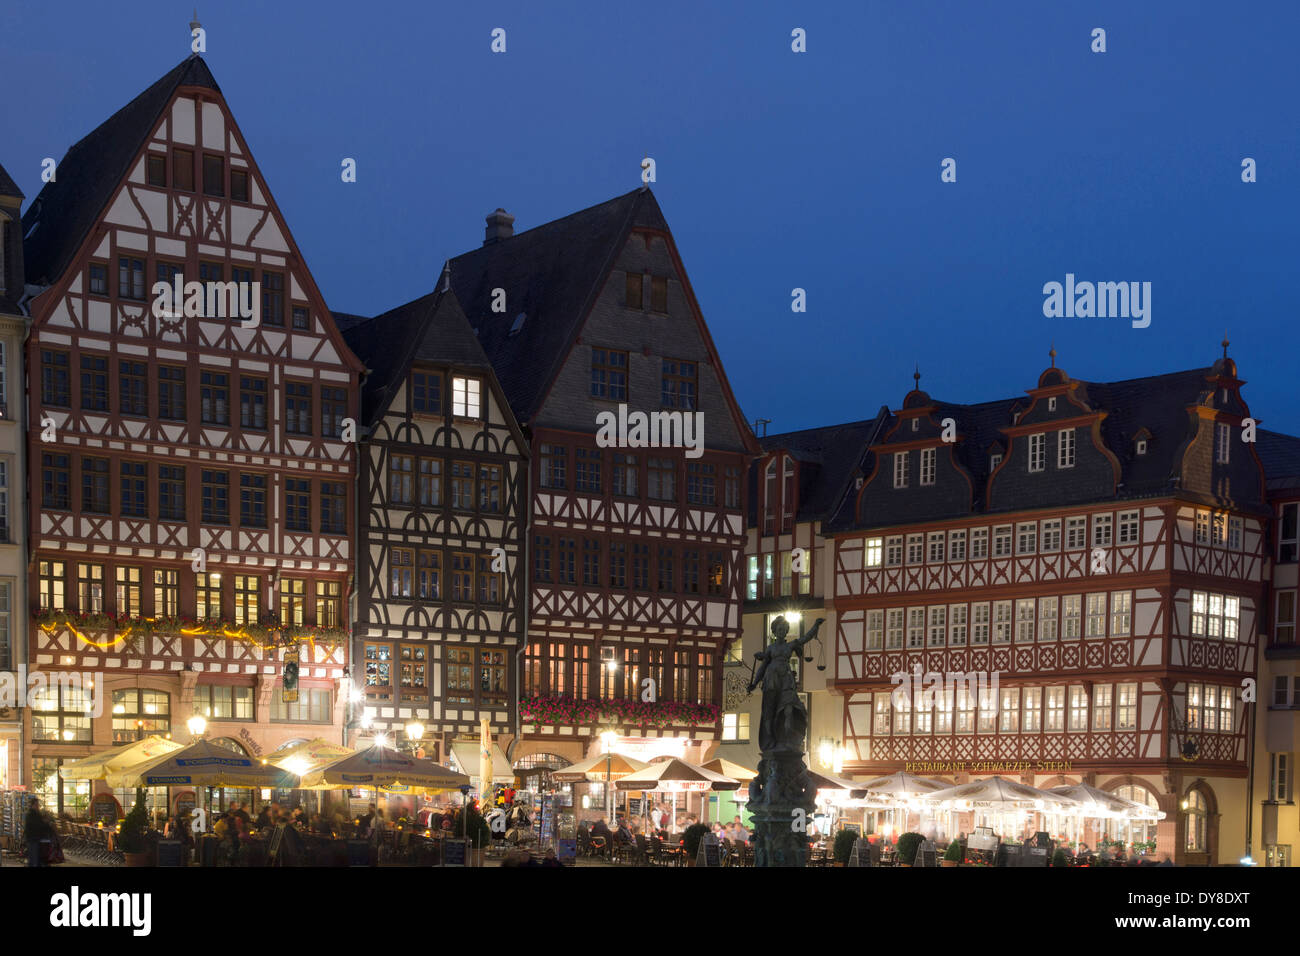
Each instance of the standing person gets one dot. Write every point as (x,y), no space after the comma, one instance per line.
(656,817)
(39,832)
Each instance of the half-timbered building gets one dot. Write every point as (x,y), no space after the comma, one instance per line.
(635,549)
(1274,820)
(192,502)
(1084,569)
(13,479)
(441,605)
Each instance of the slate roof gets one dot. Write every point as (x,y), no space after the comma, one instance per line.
(432,328)
(828,458)
(7,186)
(1281,457)
(1157,403)
(551,275)
(67,208)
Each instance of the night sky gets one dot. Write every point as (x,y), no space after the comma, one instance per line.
(776,170)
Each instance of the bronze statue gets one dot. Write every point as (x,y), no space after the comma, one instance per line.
(783,725)
(781,797)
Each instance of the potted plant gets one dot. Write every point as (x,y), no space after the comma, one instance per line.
(133,838)
(953,855)
(1060,859)
(691,841)
(478,833)
(908,844)
(843,848)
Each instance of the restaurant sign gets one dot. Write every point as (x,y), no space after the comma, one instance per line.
(988,766)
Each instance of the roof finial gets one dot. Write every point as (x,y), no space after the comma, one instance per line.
(445,284)
(194,24)
(1052,353)
(916,377)
(1225,343)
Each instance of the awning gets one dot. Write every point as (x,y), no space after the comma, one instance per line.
(465,758)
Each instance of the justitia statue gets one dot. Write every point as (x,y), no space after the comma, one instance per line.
(781,797)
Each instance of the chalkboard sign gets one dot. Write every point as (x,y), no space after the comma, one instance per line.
(453,852)
(926,855)
(184,802)
(855,828)
(1008,855)
(1034,855)
(171,853)
(273,845)
(855,855)
(105,809)
(710,852)
(634,806)
(359,853)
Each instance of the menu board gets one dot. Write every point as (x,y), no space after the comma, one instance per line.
(184,802)
(170,853)
(453,852)
(710,852)
(856,854)
(105,809)
(926,855)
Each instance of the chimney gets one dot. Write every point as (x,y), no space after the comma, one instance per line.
(500,225)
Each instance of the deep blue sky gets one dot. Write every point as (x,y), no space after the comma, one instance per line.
(775,170)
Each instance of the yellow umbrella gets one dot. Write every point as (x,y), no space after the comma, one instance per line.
(99,766)
(379,767)
(201,764)
(300,758)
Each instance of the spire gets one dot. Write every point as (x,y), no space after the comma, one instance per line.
(1052,353)
(445,284)
(1225,343)
(916,377)
(194,24)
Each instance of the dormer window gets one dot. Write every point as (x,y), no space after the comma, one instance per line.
(1222,440)
(1037,452)
(900,469)
(916,424)
(994,460)
(1142,447)
(1051,404)
(928,459)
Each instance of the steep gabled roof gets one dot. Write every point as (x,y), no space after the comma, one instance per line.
(86,177)
(7,186)
(551,275)
(432,328)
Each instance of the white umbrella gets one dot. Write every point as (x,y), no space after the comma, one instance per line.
(998,793)
(903,786)
(1094,802)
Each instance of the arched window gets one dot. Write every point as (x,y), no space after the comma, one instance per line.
(1198,817)
(1134,831)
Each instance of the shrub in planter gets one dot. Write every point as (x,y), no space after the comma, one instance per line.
(843,848)
(1060,859)
(133,840)
(953,855)
(691,840)
(908,844)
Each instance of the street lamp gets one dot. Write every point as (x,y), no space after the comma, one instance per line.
(415,733)
(197,727)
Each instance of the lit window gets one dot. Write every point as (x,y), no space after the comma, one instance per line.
(875,552)
(465,399)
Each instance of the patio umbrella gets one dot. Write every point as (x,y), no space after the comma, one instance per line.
(676,775)
(728,769)
(201,764)
(99,766)
(998,793)
(1099,803)
(381,768)
(838,788)
(902,786)
(592,770)
(302,757)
